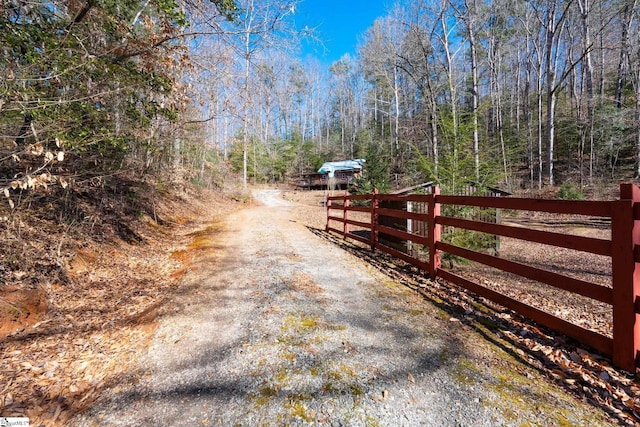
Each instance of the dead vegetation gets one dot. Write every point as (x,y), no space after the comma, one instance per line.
(83,273)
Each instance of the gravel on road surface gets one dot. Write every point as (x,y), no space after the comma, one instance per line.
(275,326)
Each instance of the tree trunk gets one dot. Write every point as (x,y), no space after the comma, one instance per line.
(623,60)
(474,95)
(24,129)
(450,77)
(588,70)
(539,97)
(396,96)
(553,32)
(247,63)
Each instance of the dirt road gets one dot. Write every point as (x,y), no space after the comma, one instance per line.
(275,326)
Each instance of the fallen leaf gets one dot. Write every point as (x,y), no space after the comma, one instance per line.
(575,357)
(56,413)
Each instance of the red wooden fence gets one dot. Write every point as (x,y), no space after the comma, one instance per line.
(623,248)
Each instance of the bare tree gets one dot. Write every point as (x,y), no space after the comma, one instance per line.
(262,25)
(380,57)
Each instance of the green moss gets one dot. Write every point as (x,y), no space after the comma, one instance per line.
(391,284)
(510,406)
(309,322)
(298,330)
(466,372)
(443,315)
(329,387)
(371,422)
(299,323)
(299,409)
(336,376)
(514,399)
(204,238)
(15,311)
(291,357)
(280,376)
(436,300)
(348,371)
(356,390)
(481,307)
(265,394)
(343,380)
(200,242)
(489,323)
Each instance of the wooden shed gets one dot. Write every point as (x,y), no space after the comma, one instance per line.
(338,175)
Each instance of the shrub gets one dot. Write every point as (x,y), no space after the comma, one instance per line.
(569,192)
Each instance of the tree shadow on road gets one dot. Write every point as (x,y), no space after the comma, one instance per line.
(584,374)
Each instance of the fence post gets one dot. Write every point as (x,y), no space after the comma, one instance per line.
(625,235)
(434,233)
(345,215)
(496,236)
(327,203)
(374,219)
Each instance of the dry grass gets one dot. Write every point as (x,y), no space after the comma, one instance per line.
(93,317)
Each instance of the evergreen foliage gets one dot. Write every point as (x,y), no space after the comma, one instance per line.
(569,192)
(375,173)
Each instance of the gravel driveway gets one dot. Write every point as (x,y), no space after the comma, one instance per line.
(275,326)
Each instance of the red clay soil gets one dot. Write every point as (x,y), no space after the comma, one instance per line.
(21,308)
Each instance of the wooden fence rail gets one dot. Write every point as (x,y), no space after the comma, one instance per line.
(623,249)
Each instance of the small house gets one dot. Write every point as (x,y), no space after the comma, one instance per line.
(332,175)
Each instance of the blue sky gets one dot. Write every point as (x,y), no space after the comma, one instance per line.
(340,23)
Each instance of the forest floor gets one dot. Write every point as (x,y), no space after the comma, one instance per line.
(79,296)
(260,317)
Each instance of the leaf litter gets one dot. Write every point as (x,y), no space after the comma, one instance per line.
(99,313)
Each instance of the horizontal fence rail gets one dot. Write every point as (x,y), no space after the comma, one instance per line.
(409,227)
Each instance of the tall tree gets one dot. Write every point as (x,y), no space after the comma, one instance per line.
(380,57)
(262,25)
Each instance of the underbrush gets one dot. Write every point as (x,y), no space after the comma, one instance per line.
(46,227)
(84,271)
